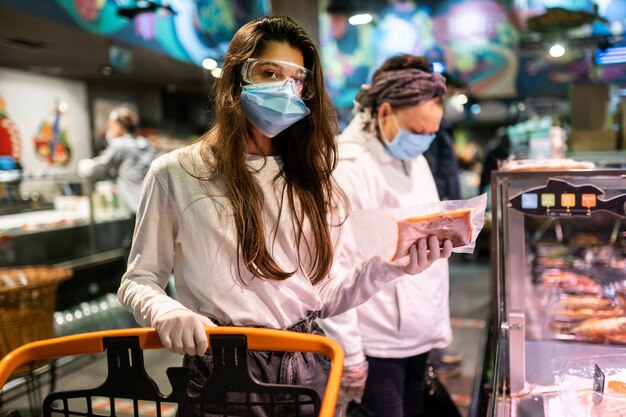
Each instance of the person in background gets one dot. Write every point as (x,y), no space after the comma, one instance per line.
(494,158)
(126,159)
(248,217)
(387,339)
(441,158)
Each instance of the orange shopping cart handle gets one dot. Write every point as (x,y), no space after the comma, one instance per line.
(257,339)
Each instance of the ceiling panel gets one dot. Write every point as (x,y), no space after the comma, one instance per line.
(34,44)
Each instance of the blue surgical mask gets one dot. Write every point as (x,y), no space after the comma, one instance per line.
(406,146)
(273,107)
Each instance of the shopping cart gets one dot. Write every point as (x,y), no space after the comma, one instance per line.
(229,390)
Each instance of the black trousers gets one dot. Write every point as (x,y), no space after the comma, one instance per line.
(395,387)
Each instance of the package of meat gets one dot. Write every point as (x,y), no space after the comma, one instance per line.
(390,232)
(455,225)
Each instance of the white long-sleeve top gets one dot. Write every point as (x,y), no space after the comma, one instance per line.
(185,224)
(411,315)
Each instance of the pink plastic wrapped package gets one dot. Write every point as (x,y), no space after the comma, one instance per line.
(389,233)
(455,225)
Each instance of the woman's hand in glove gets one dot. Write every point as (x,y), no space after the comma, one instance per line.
(353,381)
(182,331)
(423,253)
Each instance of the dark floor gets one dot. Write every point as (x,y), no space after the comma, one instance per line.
(469,301)
(469,311)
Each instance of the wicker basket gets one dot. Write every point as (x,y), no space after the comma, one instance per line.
(27,304)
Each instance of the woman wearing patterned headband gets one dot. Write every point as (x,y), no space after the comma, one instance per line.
(381,166)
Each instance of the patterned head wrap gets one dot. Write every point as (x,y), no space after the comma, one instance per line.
(401,88)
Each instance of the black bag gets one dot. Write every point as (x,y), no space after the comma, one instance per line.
(437,401)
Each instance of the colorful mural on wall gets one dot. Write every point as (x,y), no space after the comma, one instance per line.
(188,30)
(51,140)
(476,40)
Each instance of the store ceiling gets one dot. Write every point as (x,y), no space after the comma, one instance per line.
(34,44)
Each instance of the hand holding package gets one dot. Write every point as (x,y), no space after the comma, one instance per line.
(422,254)
(391,233)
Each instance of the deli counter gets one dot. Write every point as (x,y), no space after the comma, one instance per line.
(559,283)
(63,220)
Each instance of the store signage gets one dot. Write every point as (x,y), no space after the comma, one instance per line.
(559,198)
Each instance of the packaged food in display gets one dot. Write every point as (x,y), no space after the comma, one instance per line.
(572,301)
(570,282)
(600,329)
(587,392)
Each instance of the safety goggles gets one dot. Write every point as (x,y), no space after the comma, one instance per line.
(261,71)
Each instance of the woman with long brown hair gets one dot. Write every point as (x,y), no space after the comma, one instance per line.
(248,218)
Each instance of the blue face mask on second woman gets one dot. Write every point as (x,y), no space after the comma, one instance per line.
(406,146)
(273,107)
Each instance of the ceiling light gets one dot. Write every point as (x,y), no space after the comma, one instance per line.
(360,19)
(557,50)
(216,72)
(209,64)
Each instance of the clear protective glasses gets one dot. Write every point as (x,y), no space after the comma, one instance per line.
(261,71)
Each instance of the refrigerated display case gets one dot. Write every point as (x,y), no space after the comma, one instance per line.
(63,220)
(559,281)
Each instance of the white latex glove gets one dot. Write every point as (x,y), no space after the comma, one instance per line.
(182,331)
(422,254)
(85,168)
(353,381)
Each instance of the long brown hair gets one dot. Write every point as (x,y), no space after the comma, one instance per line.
(307,150)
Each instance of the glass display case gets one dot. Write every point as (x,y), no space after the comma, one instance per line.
(559,269)
(63,220)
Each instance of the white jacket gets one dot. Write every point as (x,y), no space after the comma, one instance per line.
(410,315)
